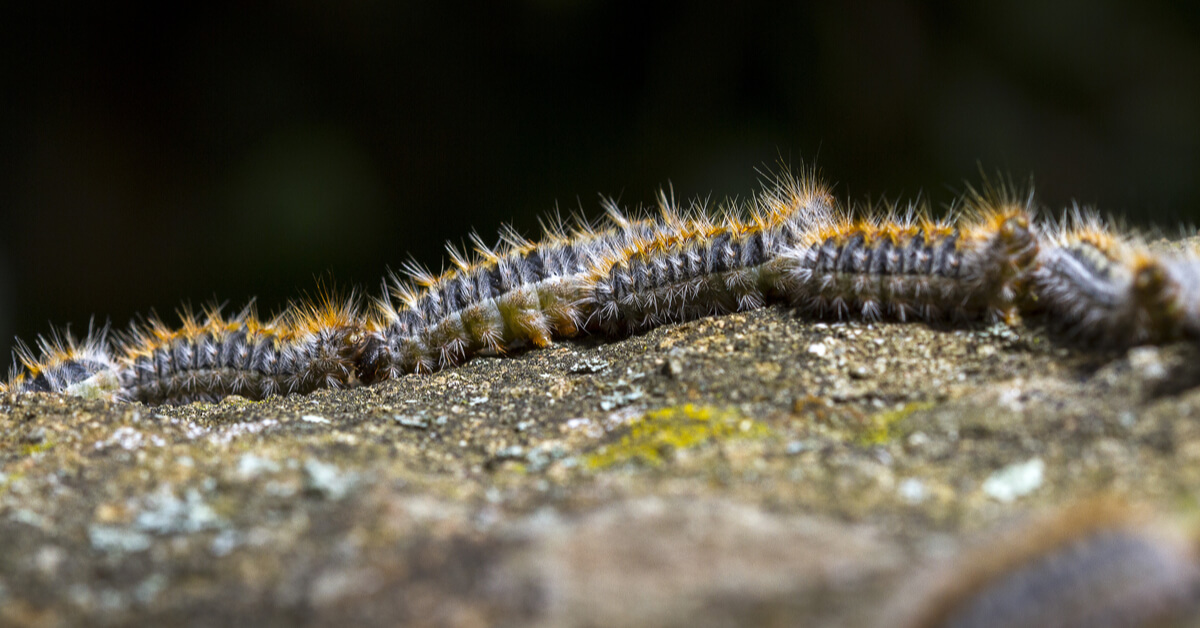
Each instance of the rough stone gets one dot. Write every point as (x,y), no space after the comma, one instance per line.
(714,473)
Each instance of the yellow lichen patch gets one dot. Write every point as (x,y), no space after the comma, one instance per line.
(653,437)
(878,428)
(30,449)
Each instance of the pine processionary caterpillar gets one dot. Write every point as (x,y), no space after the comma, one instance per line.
(81,369)
(524,292)
(308,347)
(705,267)
(1103,287)
(913,267)
(794,244)
(1098,286)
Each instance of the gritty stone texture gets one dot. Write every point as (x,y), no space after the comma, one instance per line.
(752,469)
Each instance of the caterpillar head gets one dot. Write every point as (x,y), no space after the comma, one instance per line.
(1008,249)
(1157,296)
(66,365)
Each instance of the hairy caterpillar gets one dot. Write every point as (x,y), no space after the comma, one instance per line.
(1092,564)
(525,292)
(792,243)
(81,369)
(913,267)
(308,347)
(705,267)
(1101,286)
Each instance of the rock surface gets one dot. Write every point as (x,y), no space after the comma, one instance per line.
(751,469)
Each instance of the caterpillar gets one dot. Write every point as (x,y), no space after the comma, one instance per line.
(1098,286)
(911,266)
(76,368)
(306,348)
(520,293)
(1097,563)
(791,243)
(705,266)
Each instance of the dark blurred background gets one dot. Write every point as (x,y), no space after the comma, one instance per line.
(159,154)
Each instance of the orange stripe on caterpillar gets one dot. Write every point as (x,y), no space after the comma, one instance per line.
(1097,563)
